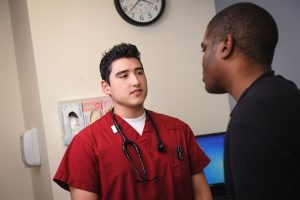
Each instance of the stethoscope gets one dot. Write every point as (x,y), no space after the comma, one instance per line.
(126,142)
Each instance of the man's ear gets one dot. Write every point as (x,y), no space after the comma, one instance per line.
(105,87)
(227,46)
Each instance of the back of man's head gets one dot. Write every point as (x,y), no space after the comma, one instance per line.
(253,29)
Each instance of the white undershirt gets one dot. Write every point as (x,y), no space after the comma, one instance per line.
(137,123)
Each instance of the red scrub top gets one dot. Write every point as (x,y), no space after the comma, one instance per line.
(94,161)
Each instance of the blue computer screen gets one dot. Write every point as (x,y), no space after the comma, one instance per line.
(213,146)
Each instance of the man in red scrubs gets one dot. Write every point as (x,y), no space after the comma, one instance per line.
(132,153)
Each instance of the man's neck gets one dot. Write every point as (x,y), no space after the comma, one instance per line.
(129,112)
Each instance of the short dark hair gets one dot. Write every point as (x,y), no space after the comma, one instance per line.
(253,29)
(123,50)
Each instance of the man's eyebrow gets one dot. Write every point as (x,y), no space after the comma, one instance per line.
(139,68)
(121,72)
(126,71)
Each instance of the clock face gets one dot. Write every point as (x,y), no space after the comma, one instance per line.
(140,12)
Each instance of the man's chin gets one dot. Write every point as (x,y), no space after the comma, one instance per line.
(137,103)
(215,90)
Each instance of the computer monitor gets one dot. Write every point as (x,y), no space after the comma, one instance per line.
(213,146)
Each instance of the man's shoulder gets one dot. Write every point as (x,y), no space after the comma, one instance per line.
(97,127)
(274,87)
(269,97)
(279,83)
(166,119)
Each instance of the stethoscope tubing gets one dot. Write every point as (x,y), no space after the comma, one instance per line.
(160,145)
(126,142)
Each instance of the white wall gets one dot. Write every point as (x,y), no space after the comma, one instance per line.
(68,38)
(15,181)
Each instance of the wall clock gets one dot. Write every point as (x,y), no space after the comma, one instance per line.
(140,12)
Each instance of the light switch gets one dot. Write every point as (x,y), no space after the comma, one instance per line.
(30,148)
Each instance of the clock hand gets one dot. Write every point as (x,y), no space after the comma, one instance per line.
(134,6)
(147,1)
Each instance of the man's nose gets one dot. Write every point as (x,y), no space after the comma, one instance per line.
(134,79)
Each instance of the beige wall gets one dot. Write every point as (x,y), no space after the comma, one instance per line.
(15,181)
(68,38)
(32,114)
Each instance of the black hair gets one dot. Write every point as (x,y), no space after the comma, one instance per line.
(123,50)
(253,29)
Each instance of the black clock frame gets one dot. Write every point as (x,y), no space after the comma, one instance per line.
(136,23)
